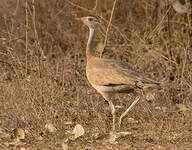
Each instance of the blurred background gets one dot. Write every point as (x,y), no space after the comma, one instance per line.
(42,72)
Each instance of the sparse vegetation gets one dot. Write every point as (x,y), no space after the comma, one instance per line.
(42,73)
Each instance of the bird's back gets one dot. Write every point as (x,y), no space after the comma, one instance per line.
(108,72)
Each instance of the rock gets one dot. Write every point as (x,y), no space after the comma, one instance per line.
(78,131)
(50,128)
(18,134)
(150,96)
(16,143)
(3,133)
(40,138)
(132,120)
(64,146)
(161,108)
(181,107)
(68,123)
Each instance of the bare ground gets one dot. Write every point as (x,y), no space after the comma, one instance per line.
(42,74)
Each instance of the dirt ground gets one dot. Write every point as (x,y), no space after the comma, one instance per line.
(43,82)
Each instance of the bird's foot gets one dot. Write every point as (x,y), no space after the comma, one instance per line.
(113,136)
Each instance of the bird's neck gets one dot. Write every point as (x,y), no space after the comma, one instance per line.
(89,50)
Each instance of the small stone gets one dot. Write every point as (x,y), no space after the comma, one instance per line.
(156,147)
(118,107)
(161,108)
(16,143)
(150,96)
(132,120)
(181,107)
(64,146)
(78,131)
(96,135)
(40,138)
(50,128)
(68,123)
(28,78)
(89,148)
(3,133)
(19,134)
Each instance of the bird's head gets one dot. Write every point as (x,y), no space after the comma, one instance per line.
(90,21)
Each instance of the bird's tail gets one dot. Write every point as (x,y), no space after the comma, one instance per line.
(149,83)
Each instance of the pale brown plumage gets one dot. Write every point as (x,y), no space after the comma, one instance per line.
(106,72)
(109,76)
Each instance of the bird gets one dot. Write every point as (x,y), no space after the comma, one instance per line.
(180,6)
(109,76)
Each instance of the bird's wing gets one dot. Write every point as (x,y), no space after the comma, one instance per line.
(107,72)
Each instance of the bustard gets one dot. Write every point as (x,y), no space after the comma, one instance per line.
(109,76)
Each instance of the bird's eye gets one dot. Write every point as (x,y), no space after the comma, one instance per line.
(90,19)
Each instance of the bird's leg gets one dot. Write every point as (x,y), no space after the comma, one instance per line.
(128,109)
(112,107)
(107,97)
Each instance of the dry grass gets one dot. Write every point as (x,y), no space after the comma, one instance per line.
(42,72)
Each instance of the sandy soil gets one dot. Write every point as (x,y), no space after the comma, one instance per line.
(42,75)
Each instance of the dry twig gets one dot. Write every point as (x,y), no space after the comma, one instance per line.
(26,36)
(109,24)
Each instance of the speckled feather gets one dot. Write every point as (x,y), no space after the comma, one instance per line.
(105,72)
